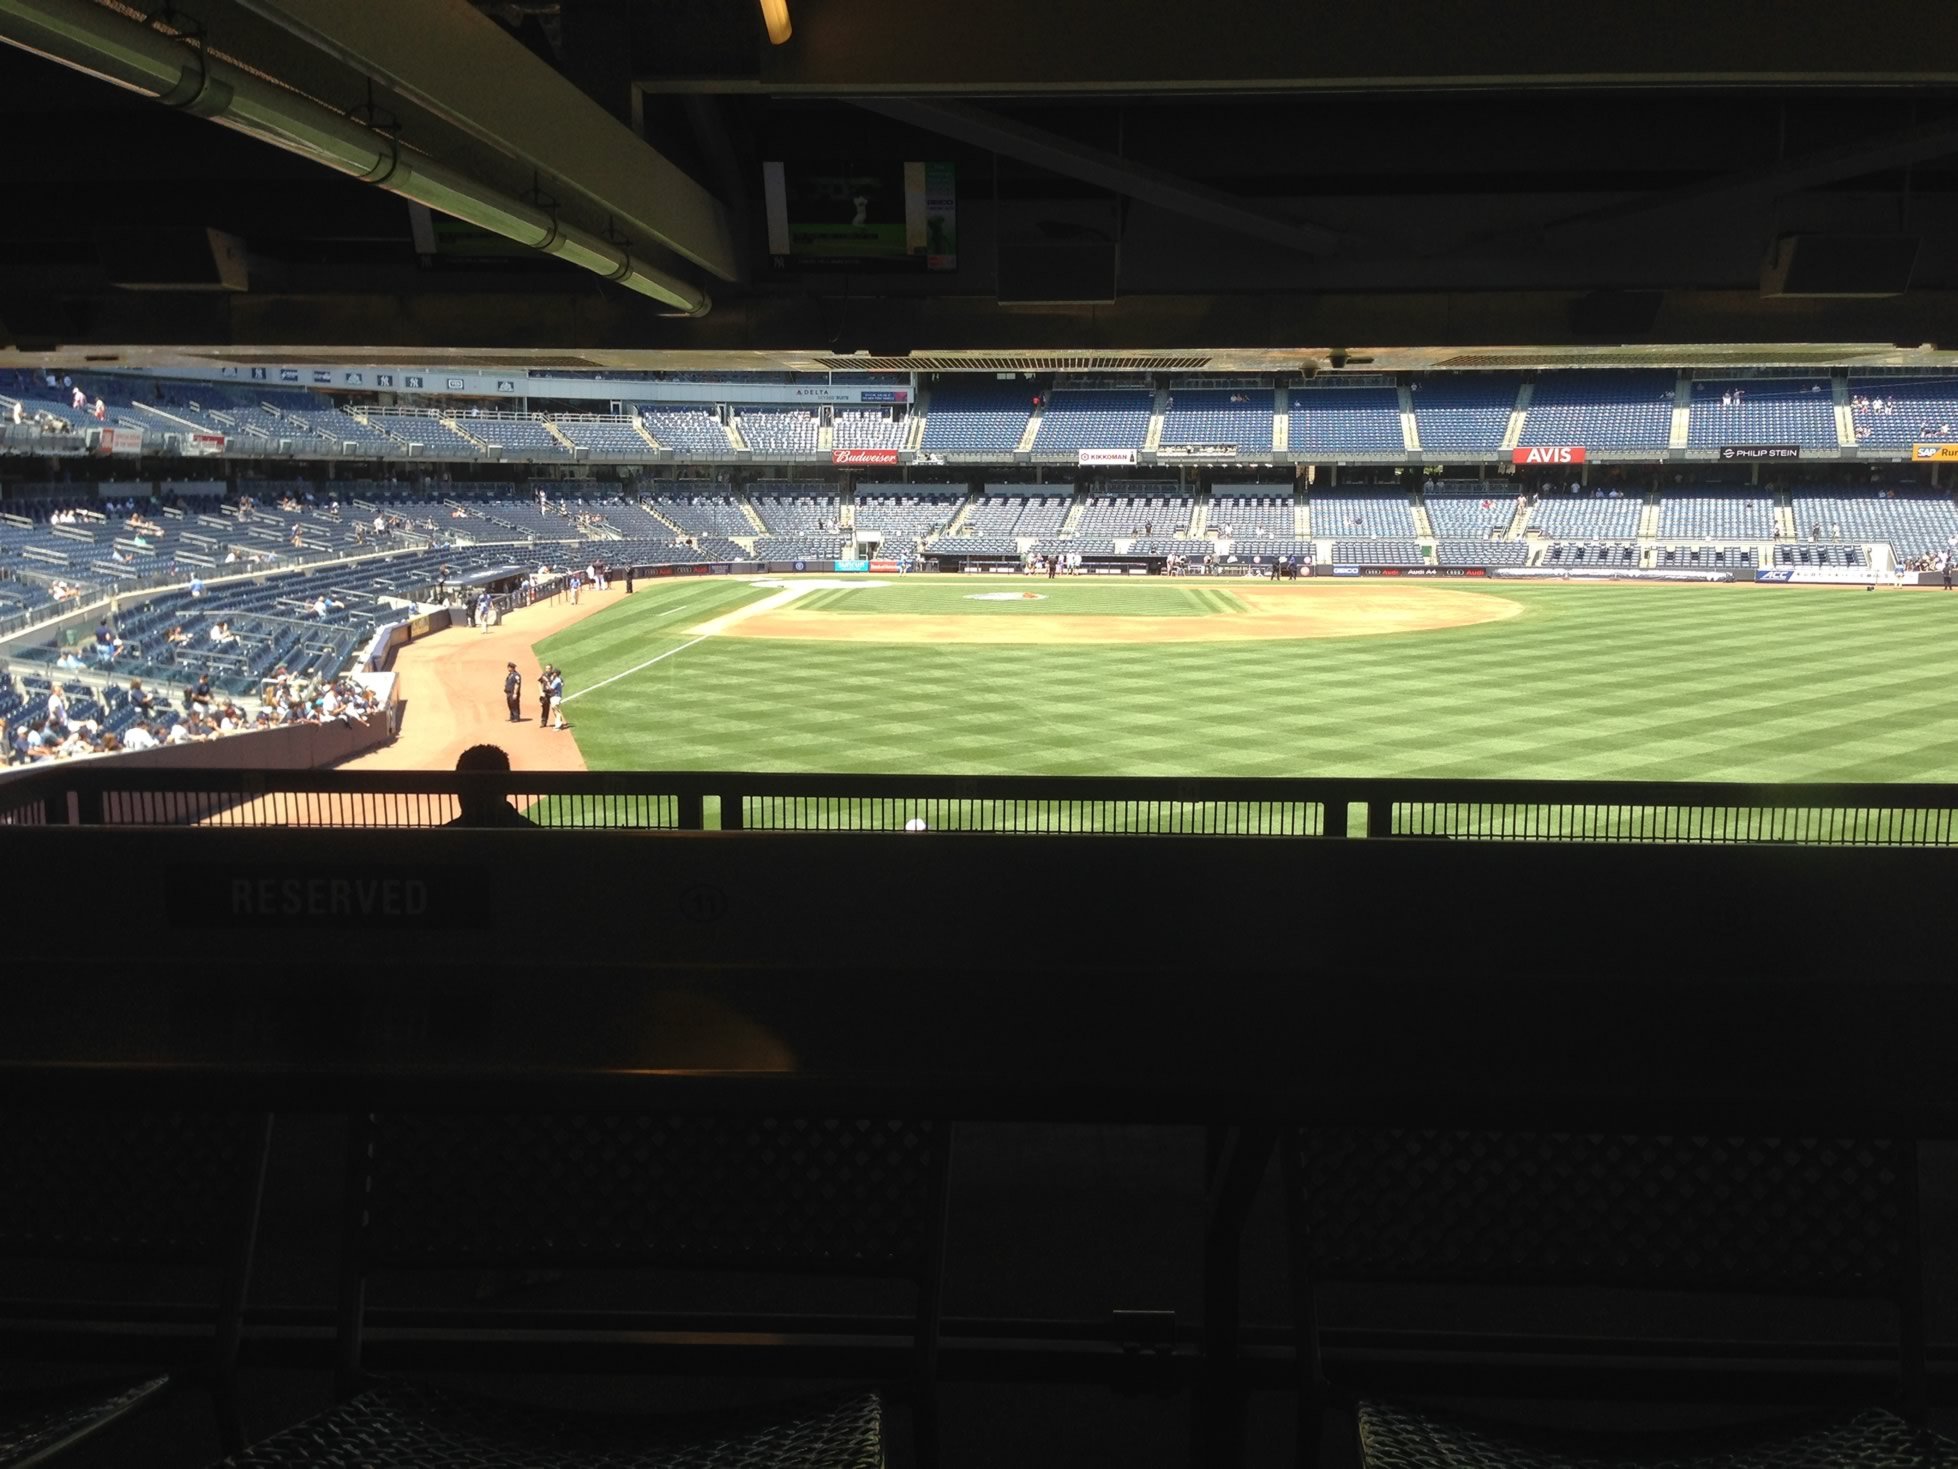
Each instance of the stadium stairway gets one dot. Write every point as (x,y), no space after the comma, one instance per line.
(825,437)
(735,441)
(956,527)
(170,422)
(1199,517)
(457,429)
(639,427)
(1424,529)
(1152,437)
(670,527)
(1074,513)
(557,433)
(753,519)
(1032,431)
(1513,435)
(1518,522)
(1281,420)
(1845,419)
(1410,431)
(1682,413)
(1784,519)
(1648,519)
(914,428)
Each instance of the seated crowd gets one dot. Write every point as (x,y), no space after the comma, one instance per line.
(53,732)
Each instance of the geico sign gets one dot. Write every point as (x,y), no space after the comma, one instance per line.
(1564,454)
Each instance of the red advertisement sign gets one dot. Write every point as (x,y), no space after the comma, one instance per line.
(1564,454)
(863,456)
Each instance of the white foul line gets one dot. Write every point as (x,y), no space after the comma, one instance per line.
(708,629)
(636,667)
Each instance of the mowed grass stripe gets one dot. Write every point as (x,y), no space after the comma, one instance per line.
(1590,682)
(632,631)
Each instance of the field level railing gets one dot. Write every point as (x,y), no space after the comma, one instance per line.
(112,793)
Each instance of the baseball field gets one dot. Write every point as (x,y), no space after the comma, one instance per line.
(1011,675)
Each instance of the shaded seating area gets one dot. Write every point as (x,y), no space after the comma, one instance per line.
(1608,1218)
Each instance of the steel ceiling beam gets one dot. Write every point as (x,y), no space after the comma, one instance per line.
(996,134)
(457,64)
(163,66)
(1898,148)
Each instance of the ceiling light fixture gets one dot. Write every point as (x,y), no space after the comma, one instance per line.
(775,15)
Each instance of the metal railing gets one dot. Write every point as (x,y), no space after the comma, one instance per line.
(108,792)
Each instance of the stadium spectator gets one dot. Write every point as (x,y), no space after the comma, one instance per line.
(483,807)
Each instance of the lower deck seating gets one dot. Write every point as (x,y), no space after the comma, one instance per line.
(1591,553)
(1378,553)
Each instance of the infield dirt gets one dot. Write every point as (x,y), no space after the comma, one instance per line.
(1339,610)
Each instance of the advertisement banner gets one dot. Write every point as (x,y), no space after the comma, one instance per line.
(1934,453)
(851,566)
(1563,454)
(128,440)
(863,456)
(1821,575)
(884,395)
(1346,571)
(1603,573)
(1760,451)
(205,443)
(1105,456)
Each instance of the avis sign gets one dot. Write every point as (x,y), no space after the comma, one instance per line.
(1548,454)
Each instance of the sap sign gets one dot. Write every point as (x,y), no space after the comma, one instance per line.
(1564,454)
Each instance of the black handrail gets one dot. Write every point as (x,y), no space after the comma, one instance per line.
(110,792)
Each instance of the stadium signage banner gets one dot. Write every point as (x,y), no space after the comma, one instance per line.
(1605,573)
(205,443)
(1931,453)
(884,395)
(1760,451)
(863,456)
(1105,456)
(1821,575)
(1548,454)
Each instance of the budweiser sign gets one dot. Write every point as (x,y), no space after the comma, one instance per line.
(863,456)
(1558,454)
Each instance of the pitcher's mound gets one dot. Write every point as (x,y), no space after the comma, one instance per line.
(1315,610)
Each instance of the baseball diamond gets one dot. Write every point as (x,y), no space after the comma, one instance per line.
(1171,677)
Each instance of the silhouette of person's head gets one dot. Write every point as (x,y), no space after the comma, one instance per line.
(480,806)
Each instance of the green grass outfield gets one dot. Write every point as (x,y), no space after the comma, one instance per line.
(1647,681)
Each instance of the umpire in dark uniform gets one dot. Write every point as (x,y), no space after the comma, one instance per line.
(513,692)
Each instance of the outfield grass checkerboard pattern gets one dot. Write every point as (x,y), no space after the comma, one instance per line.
(1589,682)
